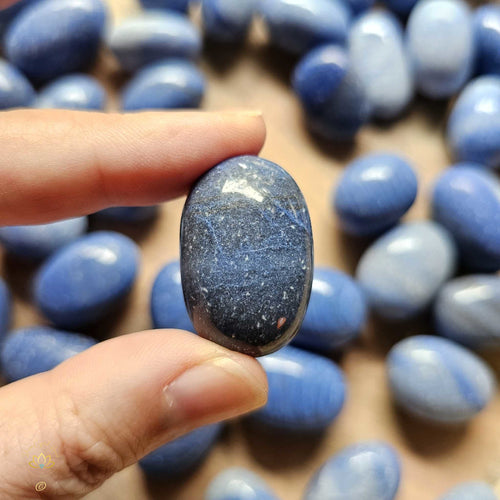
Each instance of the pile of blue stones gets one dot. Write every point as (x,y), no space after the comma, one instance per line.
(355,63)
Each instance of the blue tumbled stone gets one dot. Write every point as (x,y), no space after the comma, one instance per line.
(306,391)
(227,20)
(80,284)
(336,312)
(54,37)
(128,214)
(39,241)
(487,32)
(178,5)
(299,25)
(15,89)
(37,349)
(402,271)
(182,454)
(246,255)
(401,7)
(168,309)
(8,14)
(359,6)
(169,84)
(151,36)
(472,490)
(473,131)
(5,308)
(466,200)
(374,192)
(438,380)
(441,44)
(368,470)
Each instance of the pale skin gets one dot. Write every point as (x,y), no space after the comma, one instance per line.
(107,407)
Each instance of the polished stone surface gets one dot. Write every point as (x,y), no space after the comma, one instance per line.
(128,214)
(169,84)
(179,5)
(81,283)
(36,349)
(466,200)
(472,490)
(336,313)
(438,380)
(402,271)
(39,241)
(487,33)
(246,255)
(54,37)
(227,20)
(5,308)
(151,36)
(306,391)
(7,14)
(367,470)
(440,41)
(374,192)
(15,89)
(473,129)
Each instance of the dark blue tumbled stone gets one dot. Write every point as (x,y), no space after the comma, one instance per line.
(8,14)
(5,308)
(227,20)
(128,214)
(246,255)
(15,89)
(179,5)
(487,34)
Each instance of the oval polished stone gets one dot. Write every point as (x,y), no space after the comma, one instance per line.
(472,490)
(487,32)
(374,192)
(438,380)
(227,20)
(39,241)
(466,200)
(54,37)
(182,454)
(378,56)
(37,349)
(441,45)
(246,255)
(404,269)
(306,391)
(299,25)
(5,308)
(151,36)
(128,214)
(15,89)
(168,309)
(336,312)
(170,84)
(80,284)
(368,470)
(473,130)
(179,5)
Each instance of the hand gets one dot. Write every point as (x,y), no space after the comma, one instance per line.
(107,407)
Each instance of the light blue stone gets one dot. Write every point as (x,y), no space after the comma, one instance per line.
(472,490)
(401,7)
(5,308)
(368,470)
(81,283)
(466,200)
(151,36)
(131,215)
(403,270)
(473,131)
(169,84)
(179,5)
(306,391)
(438,380)
(378,56)
(15,89)
(39,241)
(227,20)
(487,31)
(37,349)
(440,41)
(336,312)
(374,192)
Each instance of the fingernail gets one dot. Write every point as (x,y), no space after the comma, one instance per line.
(254,113)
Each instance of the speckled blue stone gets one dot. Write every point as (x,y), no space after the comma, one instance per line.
(473,131)
(404,269)
(15,89)
(466,200)
(467,310)
(54,37)
(227,20)
(438,380)
(76,91)
(237,483)
(441,45)
(39,241)
(368,470)
(167,84)
(472,490)
(5,308)
(168,309)
(378,56)
(128,214)
(336,312)
(401,7)
(80,284)
(28,351)
(246,255)
(299,25)
(306,391)
(151,36)
(181,455)
(179,5)
(374,192)
(487,31)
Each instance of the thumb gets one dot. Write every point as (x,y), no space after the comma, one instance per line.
(107,407)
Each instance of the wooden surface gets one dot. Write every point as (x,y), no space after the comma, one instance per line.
(433,458)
